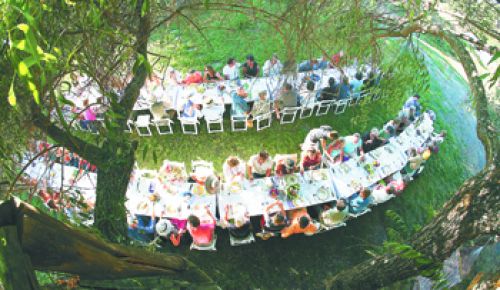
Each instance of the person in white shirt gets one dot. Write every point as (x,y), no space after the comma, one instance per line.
(259,165)
(231,70)
(272,67)
(233,169)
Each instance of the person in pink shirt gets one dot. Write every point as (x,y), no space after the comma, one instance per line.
(202,231)
(88,117)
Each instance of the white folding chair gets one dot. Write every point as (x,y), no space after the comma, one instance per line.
(341,106)
(264,118)
(142,125)
(324,107)
(244,241)
(215,123)
(288,115)
(209,247)
(202,164)
(164,126)
(325,228)
(353,215)
(307,110)
(189,125)
(235,120)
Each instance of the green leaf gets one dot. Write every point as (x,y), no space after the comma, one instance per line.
(23,27)
(21,44)
(23,69)
(145,152)
(12,95)
(34,92)
(144,8)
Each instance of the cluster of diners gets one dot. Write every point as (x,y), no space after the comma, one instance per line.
(323,149)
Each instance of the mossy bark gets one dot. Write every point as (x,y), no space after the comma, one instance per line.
(16,271)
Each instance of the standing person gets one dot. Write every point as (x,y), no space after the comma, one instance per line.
(318,136)
(231,70)
(336,150)
(211,75)
(259,165)
(272,67)
(250,67)
(413,102)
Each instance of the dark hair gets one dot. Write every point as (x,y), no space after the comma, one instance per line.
(417,96)
(263,154)
(334,135)
(341,205)
(194,221)
(345,80)
(391,190)
(359,76)
(287,86)
(303,222)
(250,57)
(310,86)
(366,191)
(331,81)
(230,60)
(210,69)
(279,218)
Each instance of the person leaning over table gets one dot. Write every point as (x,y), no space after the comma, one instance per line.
(300,223)
(211,75)
(233,169)
(360,202)
(260,165)
(272,67)
(311,160)
(273,222)
(202,231)
(318,136)
(285,167)
(335,151)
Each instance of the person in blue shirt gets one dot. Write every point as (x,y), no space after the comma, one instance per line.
(142,228)
(413,102)
(356,85)
(238,102)
(345,89)
(361,202)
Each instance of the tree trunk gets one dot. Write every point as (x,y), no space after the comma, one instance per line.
(54,246)
(16,271)
(110,216)
(473,210)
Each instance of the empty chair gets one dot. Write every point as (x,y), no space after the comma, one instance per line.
(164,126)
(323,107)
(244,241)
(264,118)
(341,106)
(288,115)
(239,123)
(353,215)
(214,117)
(142,125)
(309,102)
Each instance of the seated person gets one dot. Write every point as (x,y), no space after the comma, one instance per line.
(193,77)
(273,222)
(211,75)
(142,228)
(308,100)
(233,169)
(331,216)
(401,122)
(202,231)
(172,229)
(413,102)
(353,147)
(414,162)
(300,223)
(382,193)
(336,150)
(190,109)
(285,167)
(260,165)
(237,221)
(288,97)
(435,140)
(272,67)
(345,89)
(356,85)
(250,68)
(308,65)
(239,106)
(372,140)
(389,129)
(311,160)
(361,201)
(261,106)
(231,70)
(331,92)
(318,136)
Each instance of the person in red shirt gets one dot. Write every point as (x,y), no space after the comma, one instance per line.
(311,160)
(300,223)
(202,232)
(193,77)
